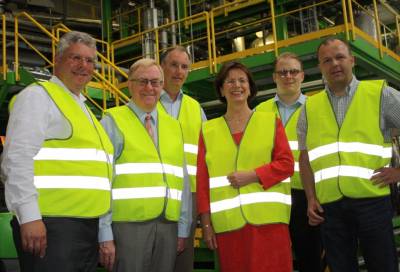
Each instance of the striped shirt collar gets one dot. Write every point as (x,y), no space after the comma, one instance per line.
(350,89)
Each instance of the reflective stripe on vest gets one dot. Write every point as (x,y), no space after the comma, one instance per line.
(148,182)
(291,133)
(232,208)
(345,171)
(190,119)
(145,168)
(368,149)
(71,182)
(251,198)
(73,154)
(73,175)
(343,160)
(146,192)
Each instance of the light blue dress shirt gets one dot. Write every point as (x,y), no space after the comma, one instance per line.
(285,111)
(185,220)
(173,107)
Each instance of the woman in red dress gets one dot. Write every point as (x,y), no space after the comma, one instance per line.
(243,189)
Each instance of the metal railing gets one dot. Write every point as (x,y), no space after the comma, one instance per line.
(125,22)
(4,46)
(137,40)
(348,26)
(383,37)
(223,33)
(18,36)
(102,75)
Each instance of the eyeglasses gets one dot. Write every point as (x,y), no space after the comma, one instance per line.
(285,73)
(144,82)
(241,81)
(78,59)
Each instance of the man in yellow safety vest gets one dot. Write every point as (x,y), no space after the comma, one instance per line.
(149,186)
(57,164)
(344,138)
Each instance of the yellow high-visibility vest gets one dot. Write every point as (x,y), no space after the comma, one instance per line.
(291,133)
(190,119)
(232,208)
(148,182)
(73,175)
(344,159)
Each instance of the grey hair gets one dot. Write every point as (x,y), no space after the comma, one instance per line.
(146,62)
(72,37)
(178,48)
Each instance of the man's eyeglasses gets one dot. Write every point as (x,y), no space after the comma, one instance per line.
(286,73)
(144,81)
(232,82)
(78,59)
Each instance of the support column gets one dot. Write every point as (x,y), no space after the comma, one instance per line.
(106,29)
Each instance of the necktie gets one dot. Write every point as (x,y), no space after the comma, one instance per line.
(148,126)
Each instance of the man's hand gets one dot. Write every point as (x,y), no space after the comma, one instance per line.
(34,238)
(181,245)
(107,254)
(314,212)
(242,178)
(385,176)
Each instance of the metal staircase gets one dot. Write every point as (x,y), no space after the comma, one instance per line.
(28,56)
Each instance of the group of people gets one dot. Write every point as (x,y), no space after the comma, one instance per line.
(293,175)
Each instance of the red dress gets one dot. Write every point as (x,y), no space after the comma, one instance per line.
(253,248)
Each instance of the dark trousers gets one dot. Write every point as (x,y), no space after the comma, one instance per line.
(306,239)
(366,222)
(72,246)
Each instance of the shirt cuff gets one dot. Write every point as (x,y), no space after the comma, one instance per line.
(183,230)
(105,234)
(28,212)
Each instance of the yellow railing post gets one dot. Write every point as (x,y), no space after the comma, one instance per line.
(210,59)
(378,28)
(353,32)
(113,61)
(214,46)
(398,30)
(53,47)
(345,19)
(16,46)
(4,36)
(271,4)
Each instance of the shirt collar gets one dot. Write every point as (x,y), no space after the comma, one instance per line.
(142,114)
(350,89)
(299,102)
(58,81)
(166,98)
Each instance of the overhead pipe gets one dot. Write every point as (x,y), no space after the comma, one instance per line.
(172,17)
(150,22)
